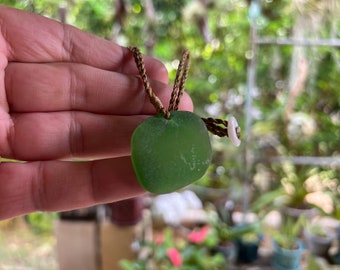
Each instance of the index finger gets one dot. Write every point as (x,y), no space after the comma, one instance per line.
(27,37)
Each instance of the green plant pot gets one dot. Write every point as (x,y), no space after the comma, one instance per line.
(287,259)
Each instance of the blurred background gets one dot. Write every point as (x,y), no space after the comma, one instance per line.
(274,65)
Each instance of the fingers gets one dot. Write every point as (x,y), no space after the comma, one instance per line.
(60,186)
(60,135)
(84,81)
(27,37)
(79,87)
(72,133)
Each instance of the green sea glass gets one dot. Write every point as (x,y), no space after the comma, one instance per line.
(168,154)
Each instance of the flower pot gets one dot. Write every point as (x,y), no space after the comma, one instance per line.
(336,257)
(247,251)
(228,250)
(319,245)
(338,233)
(297,212)
(287,259)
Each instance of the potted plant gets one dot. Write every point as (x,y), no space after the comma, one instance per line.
(294,182)
(318,239)
(221,181)
(332,190)
(213,186)
(291,196)
(225,236)
(238,242)
(247,244)
(199,253)
(287,247)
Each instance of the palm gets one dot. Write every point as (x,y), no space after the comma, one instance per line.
(66,94)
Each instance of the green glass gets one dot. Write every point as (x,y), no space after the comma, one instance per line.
(168,154)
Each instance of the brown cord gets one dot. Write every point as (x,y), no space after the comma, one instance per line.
(155,101)
(181,76)
(218,127)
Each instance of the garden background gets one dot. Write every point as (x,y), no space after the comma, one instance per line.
(274,65)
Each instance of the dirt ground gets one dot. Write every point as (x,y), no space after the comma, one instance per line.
(21,249)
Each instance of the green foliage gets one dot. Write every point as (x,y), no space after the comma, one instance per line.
(132,265)
(227,233)
(266,202)
(312,263)
(316,229)
(41,223)
(224,233)
(94,16)
(292,190)
(331,179)
(288,233)
(196,259)
(293,181)
(197,256)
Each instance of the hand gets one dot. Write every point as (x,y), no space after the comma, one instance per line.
(66,94)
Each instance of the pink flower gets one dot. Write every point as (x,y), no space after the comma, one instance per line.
(174,256)
(199,236)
